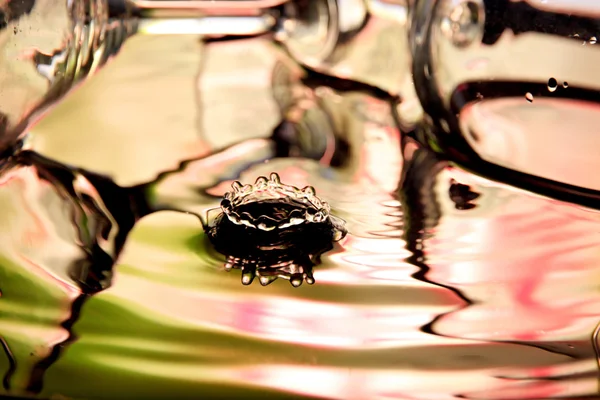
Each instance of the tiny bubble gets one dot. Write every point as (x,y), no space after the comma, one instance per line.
(565,84)
(552,85)
(529,97)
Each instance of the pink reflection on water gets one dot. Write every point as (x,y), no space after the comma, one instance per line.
(299,321)
(357,383)
(530,266)
(38,245)
(36,237)
(360,383)
(369,261)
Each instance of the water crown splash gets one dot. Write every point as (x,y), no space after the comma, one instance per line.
(272,230)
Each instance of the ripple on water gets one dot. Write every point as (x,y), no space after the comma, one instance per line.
(500,319)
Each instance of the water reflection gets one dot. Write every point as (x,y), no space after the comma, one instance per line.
(447,285)
(63,231)
(65,227)
(527,266)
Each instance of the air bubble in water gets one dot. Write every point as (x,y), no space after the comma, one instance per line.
(529,97)
(552,85)
(565,85)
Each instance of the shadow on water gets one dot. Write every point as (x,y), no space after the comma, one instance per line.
(421,211)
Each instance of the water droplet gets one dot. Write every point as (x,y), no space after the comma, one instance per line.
(247,277)
(552,84)
(267,280)
(565,84)
(296,280)
(309,278)
(529,97)
(275,178)
(593,40)
(261,182)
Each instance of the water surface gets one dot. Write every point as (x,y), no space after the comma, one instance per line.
(447,286)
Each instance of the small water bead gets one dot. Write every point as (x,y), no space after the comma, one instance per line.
(593,40)
(261,182)
(267,280)
(552,85)
(529,97)
(296,280)
(236,186)
(274,178)
(247,277)
(565,85)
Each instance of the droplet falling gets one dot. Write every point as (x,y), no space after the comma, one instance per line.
(529,97)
